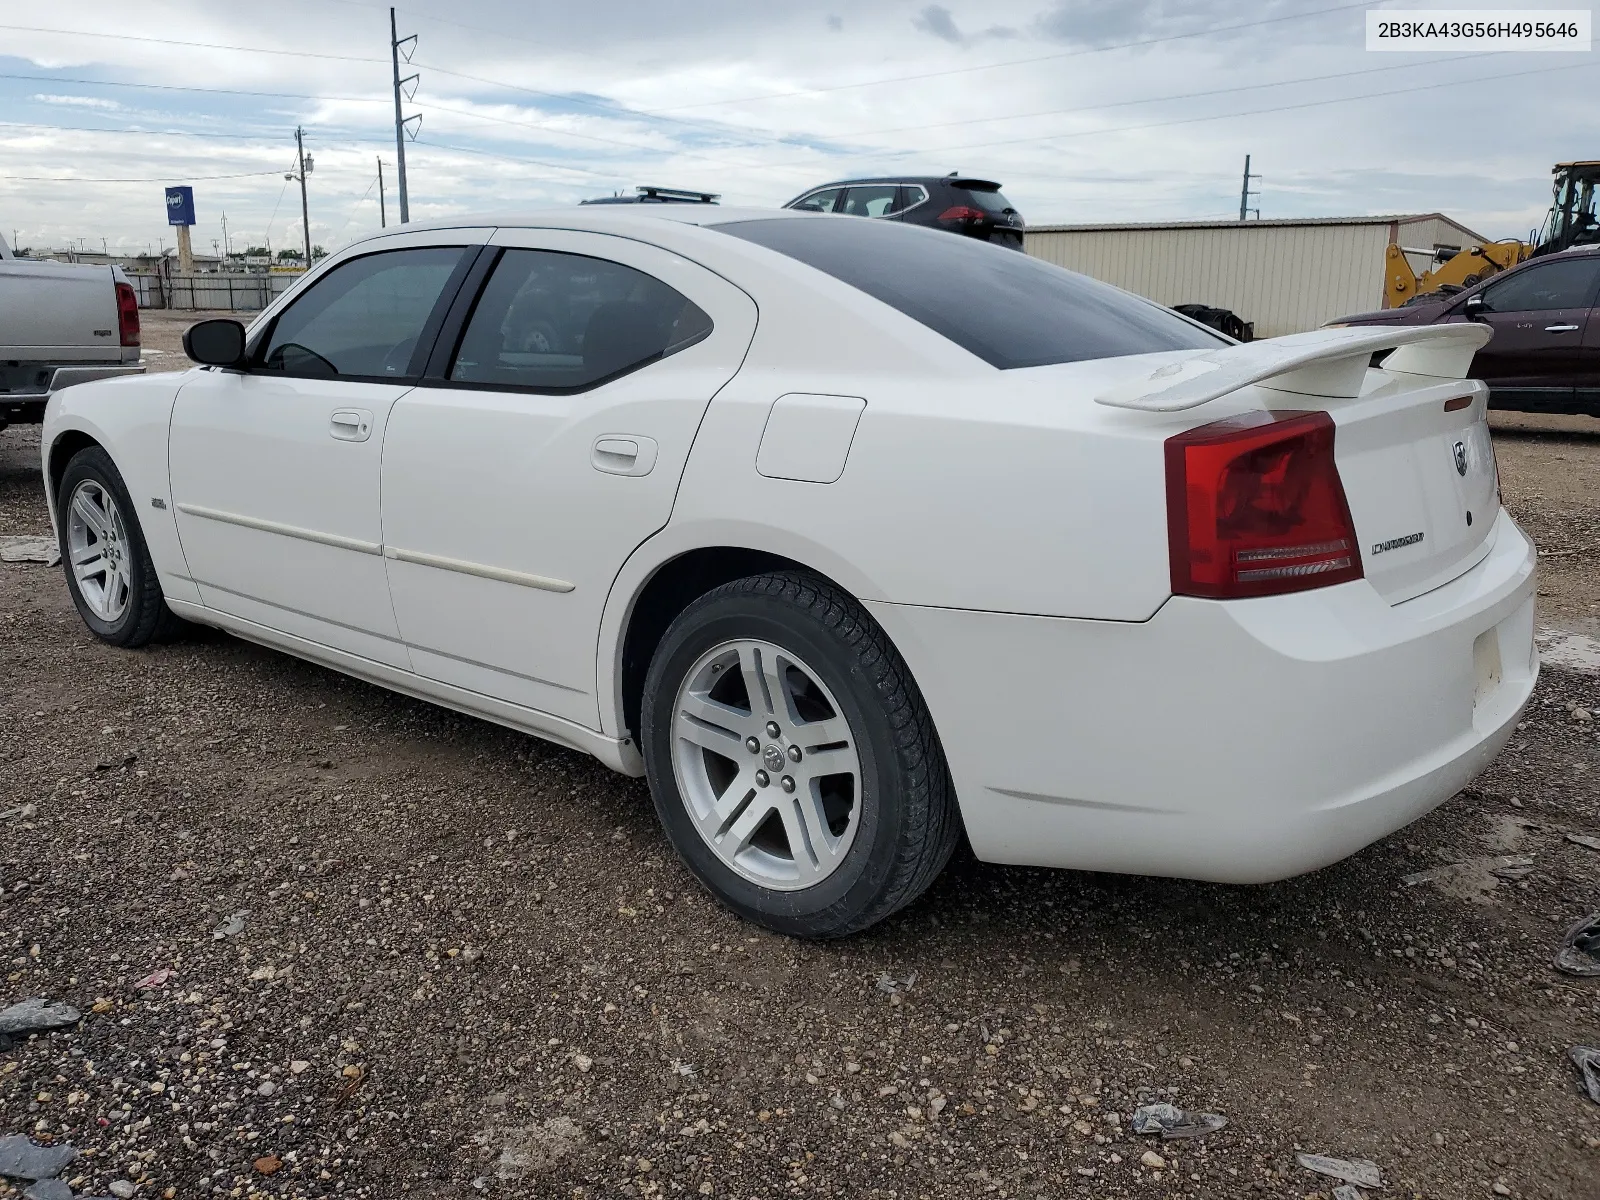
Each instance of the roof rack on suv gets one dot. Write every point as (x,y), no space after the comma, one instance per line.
(658,195)
(661,193)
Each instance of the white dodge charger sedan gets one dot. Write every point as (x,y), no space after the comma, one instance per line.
(852,537)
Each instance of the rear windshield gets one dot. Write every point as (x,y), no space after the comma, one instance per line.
(1009,309)
(990,200)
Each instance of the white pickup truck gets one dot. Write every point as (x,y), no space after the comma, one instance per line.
(60,324)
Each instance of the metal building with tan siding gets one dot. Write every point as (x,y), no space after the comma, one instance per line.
(1285,276)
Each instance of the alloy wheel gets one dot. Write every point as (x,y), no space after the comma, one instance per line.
(98,551)
(767,764)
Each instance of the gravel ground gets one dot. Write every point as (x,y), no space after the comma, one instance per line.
(330,941)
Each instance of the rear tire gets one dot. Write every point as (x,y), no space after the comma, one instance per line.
(104,556)
(841,817)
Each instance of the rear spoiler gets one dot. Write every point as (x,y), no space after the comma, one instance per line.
(1325,362)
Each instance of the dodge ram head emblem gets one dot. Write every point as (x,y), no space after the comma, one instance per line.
(1461,458)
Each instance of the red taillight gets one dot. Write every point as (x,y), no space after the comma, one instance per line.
(127,314)
(961,212)
(1255,507)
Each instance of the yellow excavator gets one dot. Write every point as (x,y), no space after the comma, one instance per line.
(1572,221)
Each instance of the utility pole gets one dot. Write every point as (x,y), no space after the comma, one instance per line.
(227,247)
(383,219)
(401,121)
(1245,193)
(305,169)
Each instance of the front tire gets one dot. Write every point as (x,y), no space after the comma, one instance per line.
(792,761)
(103,553)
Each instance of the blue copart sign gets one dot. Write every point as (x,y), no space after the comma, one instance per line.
(180,206)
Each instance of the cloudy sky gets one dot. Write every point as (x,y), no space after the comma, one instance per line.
(1085,110)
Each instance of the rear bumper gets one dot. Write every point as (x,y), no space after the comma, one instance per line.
(1241,741)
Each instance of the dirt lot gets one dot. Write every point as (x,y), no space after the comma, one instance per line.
(464,962)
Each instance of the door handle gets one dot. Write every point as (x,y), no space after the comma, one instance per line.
(623,454)
(351,424)
(1559,328)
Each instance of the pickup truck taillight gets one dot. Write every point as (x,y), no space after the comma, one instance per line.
(1255,507)
(127,314)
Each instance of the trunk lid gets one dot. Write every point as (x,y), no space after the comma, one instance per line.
(1419,475)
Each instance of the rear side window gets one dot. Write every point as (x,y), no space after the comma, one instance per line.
(911,195)
(363,318)
(1009,309)
(1560,284)
(565,322)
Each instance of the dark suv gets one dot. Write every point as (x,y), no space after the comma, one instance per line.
(658,195)
(974,207)
(1545,353)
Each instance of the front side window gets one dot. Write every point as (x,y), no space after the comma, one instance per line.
(1009,309)
(363,318)
(822,201)
(1568,284)
(876,200)
(565,322)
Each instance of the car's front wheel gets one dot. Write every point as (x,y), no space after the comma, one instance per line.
(792,761)
(103,552)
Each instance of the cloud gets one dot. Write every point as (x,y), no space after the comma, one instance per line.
(78,101)
(835,22)
(938,21)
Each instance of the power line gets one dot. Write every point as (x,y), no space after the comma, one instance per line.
(565,98)
(533,162)
(1052,137)
(173,87)
(1244,87)
(590,137)
(267,237)
(246,137)
(351,215)
(661,112)
(128,37)
(1018,62)
(151,179)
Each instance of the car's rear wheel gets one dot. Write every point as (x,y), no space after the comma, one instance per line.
(103,552)
(792,761)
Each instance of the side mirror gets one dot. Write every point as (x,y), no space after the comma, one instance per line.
(1473,306)
(218,343)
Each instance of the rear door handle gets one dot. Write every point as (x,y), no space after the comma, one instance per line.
(623,454)
(351,424)
(1559,328)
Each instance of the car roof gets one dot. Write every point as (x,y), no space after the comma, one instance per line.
(625,219)
(594,216)
(960,181)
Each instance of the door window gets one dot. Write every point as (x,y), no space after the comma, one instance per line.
(1564,284)
(566,322)
(874,201)
(362,319)
(818,201)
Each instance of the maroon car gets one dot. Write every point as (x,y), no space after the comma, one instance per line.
(1545,353)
